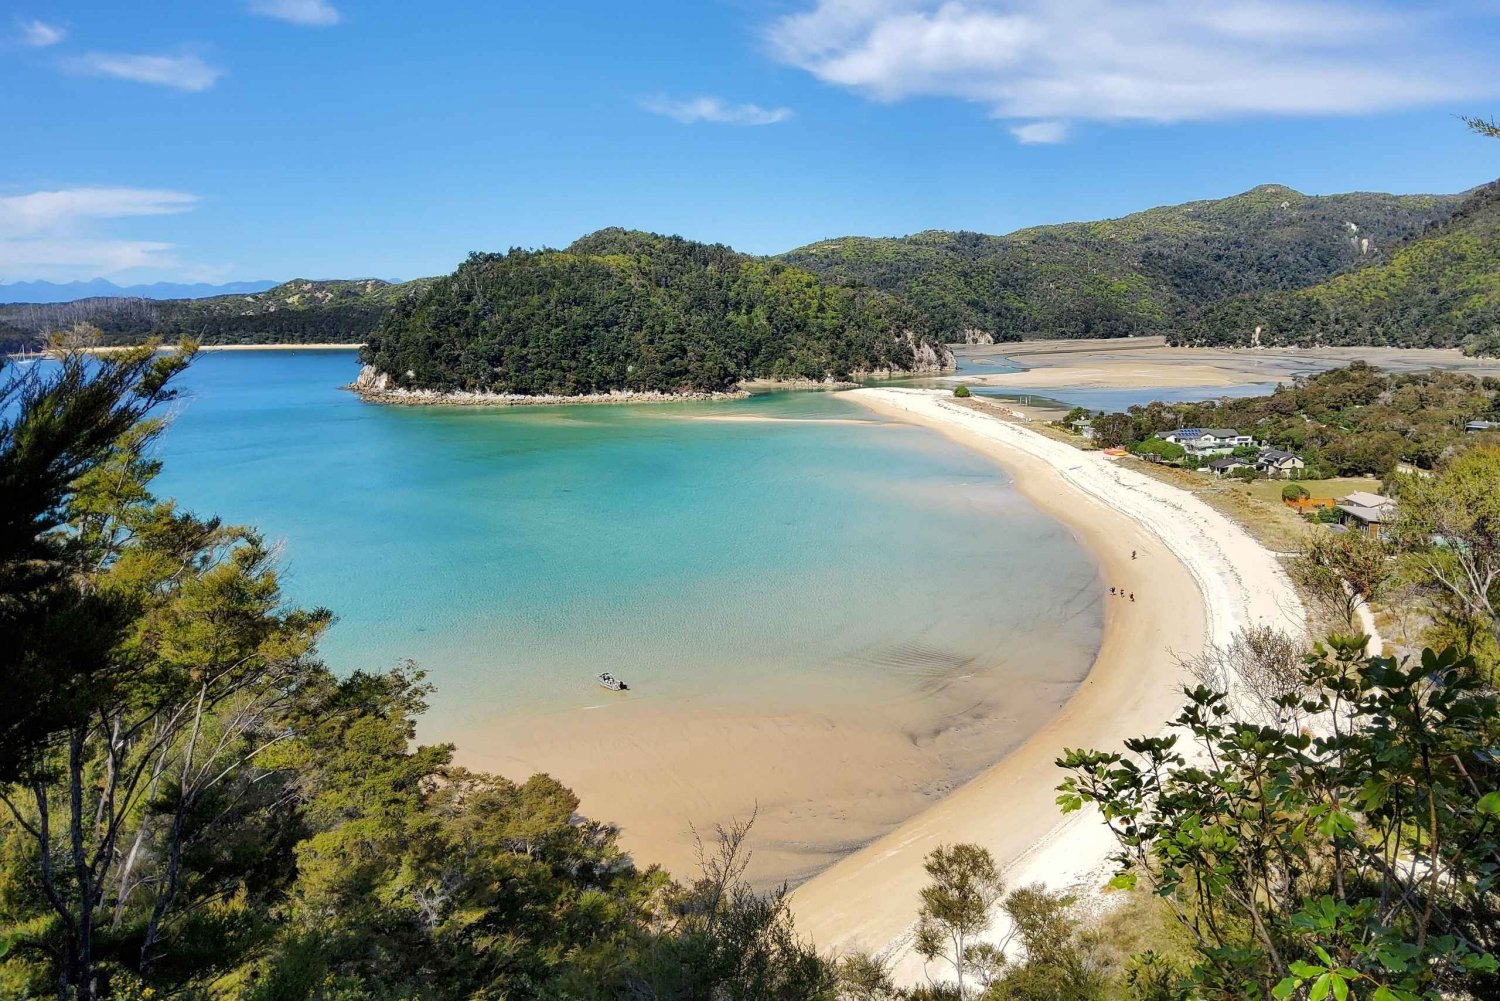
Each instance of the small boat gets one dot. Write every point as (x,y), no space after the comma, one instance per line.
(613,683)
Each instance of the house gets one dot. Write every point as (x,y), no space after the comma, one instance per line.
(1276,463)
(1085,427)
(1367,512)
(1474,427)
(1203,442)
(1228,464)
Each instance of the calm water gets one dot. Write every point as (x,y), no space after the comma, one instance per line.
(512,552)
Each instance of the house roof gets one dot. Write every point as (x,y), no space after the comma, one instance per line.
(1222,432)
(1363,498)
(1276,455)
(1227,462)
(1482,426)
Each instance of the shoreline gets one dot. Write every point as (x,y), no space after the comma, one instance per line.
(1198,579)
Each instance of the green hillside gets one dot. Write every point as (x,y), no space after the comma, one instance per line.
(295,312)
(1439,289)
(1140,274)
(622,310)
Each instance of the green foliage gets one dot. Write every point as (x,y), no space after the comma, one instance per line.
(1158,448)
(1449,525)
(194,806)
(1284,845)
(962,392)
(634,311)
(1344,570)
(295,312)
(1294,492)
(1440,288)
(956,907)
(1142,274)
(1349,421)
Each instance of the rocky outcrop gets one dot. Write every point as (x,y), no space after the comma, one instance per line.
(972,335)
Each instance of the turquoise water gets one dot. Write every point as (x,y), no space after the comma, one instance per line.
(813,553)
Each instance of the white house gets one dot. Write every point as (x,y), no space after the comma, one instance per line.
(1204,442)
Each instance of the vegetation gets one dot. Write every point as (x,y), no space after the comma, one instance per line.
(1344,846)
(1440,288)
(962,392)
(1349,421)
(1144,273)
(296,312)
(191,805)
(1449,527)
(634,311)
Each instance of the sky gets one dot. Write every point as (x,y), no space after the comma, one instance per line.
(224,140)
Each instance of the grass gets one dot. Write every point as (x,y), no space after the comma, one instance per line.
(1339,486)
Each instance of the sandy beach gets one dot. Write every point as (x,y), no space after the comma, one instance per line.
(1119,363)
(1197,578)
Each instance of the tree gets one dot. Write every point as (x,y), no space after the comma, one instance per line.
(1344,571)
(1294,492)
(1064,961)
(1355,863)
(1483,126)
(1450,526)
(1259,668)
(956,905)
(1160,449)
(962,392)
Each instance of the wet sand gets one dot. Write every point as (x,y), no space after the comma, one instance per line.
(1197,579)
(1122,363)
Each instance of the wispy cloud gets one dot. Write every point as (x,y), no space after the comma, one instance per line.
(41,211)
(1037,133)
(1047,62)
(56,235)
(312,13)
(187,72)
(40,34)
(711,109)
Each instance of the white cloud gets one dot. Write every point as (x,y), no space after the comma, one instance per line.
(55,235)
(712,109)
(179,72)
(311,13)
(1052,61)
(40,34)
(1034,133)
(44,211)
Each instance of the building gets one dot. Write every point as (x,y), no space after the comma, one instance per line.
(1278,464)
(1474,427)
(1367,512)
(1228,464)
(1204,442)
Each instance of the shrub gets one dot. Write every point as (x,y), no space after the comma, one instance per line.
(962,392)
(1293,492)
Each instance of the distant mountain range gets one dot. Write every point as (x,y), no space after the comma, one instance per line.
(1270,265)
(33,292)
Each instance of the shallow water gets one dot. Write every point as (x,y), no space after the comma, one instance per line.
(513,552)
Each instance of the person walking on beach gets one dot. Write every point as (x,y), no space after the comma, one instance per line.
(1132,595)
(1132,554)
(1111,591)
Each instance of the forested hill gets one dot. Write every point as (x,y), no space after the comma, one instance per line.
(295,312)
(1140,274)
(1441,288)
(623,310)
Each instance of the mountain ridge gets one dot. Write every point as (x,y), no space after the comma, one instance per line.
(45,292)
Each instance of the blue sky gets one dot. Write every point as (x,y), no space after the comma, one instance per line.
(240,139)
